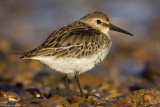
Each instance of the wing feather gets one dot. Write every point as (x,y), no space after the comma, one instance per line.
(75,40)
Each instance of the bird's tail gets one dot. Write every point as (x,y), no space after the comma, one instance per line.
(21,53)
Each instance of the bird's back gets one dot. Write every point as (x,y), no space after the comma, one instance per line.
(75,40)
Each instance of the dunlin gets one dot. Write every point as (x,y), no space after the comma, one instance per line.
(77,47)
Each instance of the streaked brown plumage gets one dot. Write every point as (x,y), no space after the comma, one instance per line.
(75,40)
(76,47)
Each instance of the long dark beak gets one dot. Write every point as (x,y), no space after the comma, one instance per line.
(115,28)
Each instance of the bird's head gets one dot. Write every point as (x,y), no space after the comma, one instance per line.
(101,22)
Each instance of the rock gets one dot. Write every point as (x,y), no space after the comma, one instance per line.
(154,105)
(18,105)
(58,105)
(109,86)
(31,105)
(76,105)
(31,93)
(78,100)
(63,92)
(111,96)
(144,96)
(45,103)
(3,93)
(3,101)
(85,104)
(97,102)
(13,97)
(29,100)
(104,86)
(125,102)
(58,100)
(89,89)
(46,91)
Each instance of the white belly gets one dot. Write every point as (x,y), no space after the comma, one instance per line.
(72,65)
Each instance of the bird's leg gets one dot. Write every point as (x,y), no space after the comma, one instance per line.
(67,86)
(79,86)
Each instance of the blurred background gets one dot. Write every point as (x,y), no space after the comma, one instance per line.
(25,24)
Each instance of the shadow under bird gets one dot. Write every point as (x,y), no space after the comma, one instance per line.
(76,47)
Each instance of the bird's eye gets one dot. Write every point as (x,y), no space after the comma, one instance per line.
(99,21)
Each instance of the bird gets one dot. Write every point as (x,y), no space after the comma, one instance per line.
(77,47)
